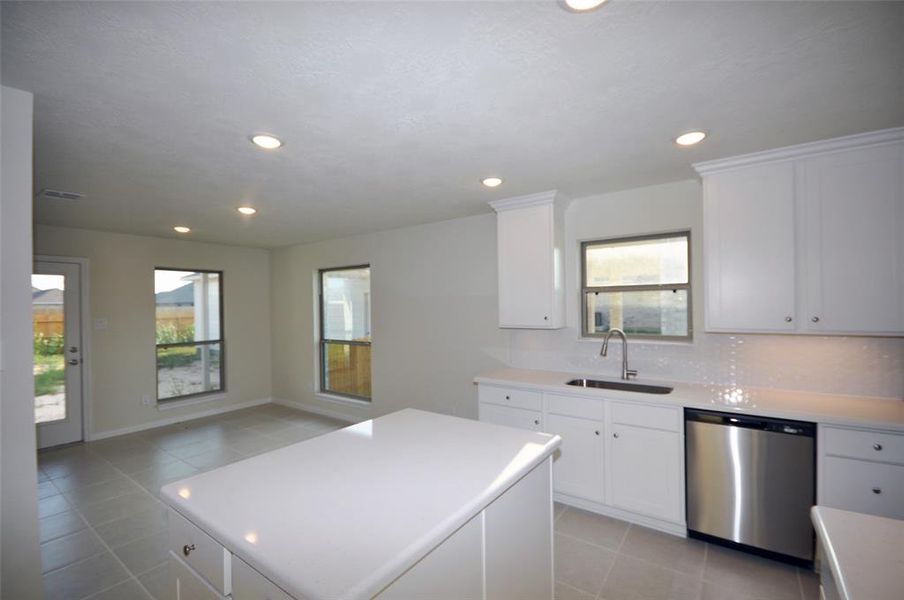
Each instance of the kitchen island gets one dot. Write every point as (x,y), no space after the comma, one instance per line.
(412,504)
(863,555)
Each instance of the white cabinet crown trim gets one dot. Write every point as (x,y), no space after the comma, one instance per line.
(848,142)
(538,199)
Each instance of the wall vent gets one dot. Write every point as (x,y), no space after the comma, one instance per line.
(59,195)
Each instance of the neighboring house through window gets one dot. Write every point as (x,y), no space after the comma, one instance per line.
(345,337)
(189,332)
(640,285)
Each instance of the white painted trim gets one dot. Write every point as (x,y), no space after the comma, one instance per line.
(84,274)
(538,199)
(165,405)
(678,529)
(178,419)
(318,410)
(848,142)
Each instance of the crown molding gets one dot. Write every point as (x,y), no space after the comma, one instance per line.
(848,142)
(538,199)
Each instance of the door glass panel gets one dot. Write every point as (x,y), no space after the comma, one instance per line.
(49,347)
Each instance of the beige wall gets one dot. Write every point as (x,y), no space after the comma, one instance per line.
(20,561)
(122,359)
(433,316)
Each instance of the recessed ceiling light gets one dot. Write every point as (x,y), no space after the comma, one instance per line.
(181,229)
(584,5)
(247,210)
(690,138)
(267,142)
(491,182)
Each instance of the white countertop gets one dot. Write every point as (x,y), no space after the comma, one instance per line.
(865,553)
(861,411)
(344,514)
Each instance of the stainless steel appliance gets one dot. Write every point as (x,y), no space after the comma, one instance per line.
(751,482)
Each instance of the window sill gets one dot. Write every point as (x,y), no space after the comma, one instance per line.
(171,404)
(343,400)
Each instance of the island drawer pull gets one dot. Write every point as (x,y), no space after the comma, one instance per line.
(877,490)
(877,447)
(186,549)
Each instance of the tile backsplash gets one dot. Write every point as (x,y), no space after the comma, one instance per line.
(840,365)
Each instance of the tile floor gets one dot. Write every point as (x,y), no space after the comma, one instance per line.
(102,525)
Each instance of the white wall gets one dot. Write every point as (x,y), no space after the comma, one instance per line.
(847,365)
(433,294)
(20,560)
(121,286)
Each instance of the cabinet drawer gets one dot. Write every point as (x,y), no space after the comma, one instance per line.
(868,445)
(861,486)
(509,397)
(641,415)
(248,584)
(200,551)
(511,417)
(188,585)
(571,406)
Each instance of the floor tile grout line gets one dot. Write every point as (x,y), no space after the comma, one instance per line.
(107,589)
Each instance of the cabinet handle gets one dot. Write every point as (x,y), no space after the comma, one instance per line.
(536,421)
(788,319)
(877,447)
(507,398)
(186,549)
(877,490)
(596,432)
(615,435)
(546,318)
(815,319)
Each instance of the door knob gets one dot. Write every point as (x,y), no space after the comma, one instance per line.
(73,361)
(73,349)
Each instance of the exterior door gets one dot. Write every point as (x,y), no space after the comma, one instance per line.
(56,317)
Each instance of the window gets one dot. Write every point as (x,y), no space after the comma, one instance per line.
(345,331)
(189,332)
(640,285)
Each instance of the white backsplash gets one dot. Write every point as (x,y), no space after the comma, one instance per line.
(839,365)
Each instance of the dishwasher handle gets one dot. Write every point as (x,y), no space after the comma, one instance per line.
(751,422)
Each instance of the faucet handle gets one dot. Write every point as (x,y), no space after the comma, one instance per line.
(629,373)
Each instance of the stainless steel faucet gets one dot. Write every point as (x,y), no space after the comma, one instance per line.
(626,373)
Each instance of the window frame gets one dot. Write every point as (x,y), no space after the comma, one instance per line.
(221,341)
(322,340)
(585,289)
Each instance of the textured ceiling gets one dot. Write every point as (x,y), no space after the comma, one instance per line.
(392,112)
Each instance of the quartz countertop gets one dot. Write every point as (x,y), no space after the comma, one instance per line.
(864,553)
(342,515)
(861,411)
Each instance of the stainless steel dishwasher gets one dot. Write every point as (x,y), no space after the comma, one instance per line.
(750,482)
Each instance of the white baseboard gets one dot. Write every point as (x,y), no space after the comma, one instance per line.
(319,410)
(93,437)
(678,529)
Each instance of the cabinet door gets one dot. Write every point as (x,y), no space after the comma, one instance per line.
(578,468)
(644,471)
(854,225)
(749,254)
(510,417)
(526,279)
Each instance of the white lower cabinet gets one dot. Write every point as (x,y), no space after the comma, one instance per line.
(620,458)
(644,471)
(187,584)
(248,584)
(861,470)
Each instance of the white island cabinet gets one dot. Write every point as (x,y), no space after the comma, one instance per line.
(409,505)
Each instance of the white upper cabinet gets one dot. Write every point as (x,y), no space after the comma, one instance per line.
(749,248)
(807,239)
(529,240)
(853,214)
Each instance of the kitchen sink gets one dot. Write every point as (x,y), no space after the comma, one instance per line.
(626,386)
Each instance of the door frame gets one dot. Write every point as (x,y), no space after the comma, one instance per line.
(85,316)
